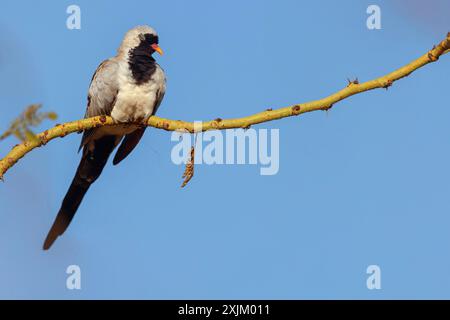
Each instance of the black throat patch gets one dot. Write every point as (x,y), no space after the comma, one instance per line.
(140,60)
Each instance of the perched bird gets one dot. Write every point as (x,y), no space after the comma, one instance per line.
(128,87)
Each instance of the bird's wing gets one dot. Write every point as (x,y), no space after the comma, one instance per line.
(159,97)
(102,94)
(132,139)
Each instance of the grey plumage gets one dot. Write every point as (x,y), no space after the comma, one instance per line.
(102,94)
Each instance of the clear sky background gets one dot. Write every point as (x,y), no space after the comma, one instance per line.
(366,183)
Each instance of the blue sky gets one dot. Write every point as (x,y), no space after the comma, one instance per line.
(366,183)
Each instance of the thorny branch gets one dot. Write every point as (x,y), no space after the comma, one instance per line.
(353,87)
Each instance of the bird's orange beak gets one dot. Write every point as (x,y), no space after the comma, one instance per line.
(157,48)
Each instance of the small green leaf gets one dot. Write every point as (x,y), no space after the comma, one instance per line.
(20,127)
(52,115)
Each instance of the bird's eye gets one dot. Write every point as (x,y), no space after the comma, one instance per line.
(141,37)
(151,38)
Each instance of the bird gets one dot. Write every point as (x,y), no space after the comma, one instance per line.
(129,87)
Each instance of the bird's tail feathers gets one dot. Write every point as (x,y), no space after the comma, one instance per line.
(89,169)
(128,144)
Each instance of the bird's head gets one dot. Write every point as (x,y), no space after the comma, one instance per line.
(142,40)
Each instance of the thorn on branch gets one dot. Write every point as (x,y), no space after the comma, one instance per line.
(216,122)
(388,84)
(327,107)
(270,109)
(432,57)
(350,82)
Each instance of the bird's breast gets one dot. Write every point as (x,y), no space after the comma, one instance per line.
(135,102)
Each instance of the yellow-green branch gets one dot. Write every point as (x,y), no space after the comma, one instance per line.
(352,88)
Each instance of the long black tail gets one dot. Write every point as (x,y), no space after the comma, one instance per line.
(89,169)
